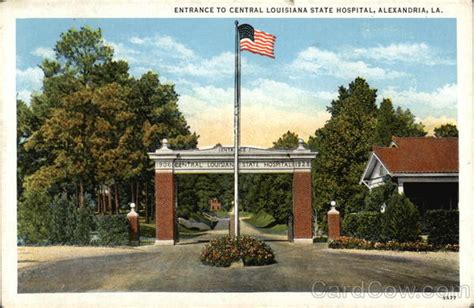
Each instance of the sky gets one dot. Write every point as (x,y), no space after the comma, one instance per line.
(410,61)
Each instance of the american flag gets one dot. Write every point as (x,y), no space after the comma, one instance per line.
(256,41)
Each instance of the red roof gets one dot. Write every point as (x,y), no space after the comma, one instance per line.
(420,155)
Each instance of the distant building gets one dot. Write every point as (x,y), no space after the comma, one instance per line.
(215,204)
(424,168)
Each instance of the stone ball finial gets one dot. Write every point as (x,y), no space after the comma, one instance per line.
(300,144)
(132,205)
(164,143)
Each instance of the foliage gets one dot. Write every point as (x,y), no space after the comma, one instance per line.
(401,220)
(69,225)
(89,130)
(400,123)
(365,225)
(345,142)
(34,217)
(446,130)
(345,242)
(43,220)
(223,251)
(343,145)
(379,196)
(112,230)
(442,227)
(147,230)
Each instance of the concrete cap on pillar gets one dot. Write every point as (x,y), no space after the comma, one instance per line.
(164,146)
(132,210)
(300,145)
(333,208)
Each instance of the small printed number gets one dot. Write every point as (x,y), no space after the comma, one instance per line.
(449,297)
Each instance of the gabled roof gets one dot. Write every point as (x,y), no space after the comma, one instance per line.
(420,155)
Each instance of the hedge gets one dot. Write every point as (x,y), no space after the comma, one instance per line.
(112,230)
(442,227)
(401,220)
(365,225)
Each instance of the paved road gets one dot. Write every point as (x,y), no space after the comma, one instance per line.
(298,267)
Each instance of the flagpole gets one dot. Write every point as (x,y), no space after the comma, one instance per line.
(236,129)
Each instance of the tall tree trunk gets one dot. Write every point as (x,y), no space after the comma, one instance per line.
(116,199)
(97,191)
(132,194)
(138,196)
(109,201)
(104,200)
(147,217)
(81,194)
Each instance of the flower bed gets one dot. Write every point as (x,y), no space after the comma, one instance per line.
(357,243)
(222,252)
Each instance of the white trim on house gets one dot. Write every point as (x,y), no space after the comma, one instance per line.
(372,182)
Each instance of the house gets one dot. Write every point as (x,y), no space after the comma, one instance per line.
(425,169)
(215,204)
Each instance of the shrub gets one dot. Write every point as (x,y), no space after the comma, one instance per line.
(112,230)
(223,251)
(379,195)
(364,225)
(400,222)
(34,217)
(356,243)
(255,252)
(69,225)
(85,224)
(63,221)
(442,227)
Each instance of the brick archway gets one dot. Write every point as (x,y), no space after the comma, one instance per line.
(219,159)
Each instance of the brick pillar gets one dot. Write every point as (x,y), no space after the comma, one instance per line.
(302,207)
(165,211)
(334,224)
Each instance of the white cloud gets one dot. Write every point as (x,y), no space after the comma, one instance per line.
(269,109)
(24,95)
(29,78)
(323,62)
(441,98)
(123,52)
(43,52)
(403,52)
(165,43)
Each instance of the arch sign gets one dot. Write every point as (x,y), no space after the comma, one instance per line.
(220,159)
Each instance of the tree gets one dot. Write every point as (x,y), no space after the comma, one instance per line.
(272,193)
(89,131)
(344,145)
(446,130)
(289,141)
(400,123)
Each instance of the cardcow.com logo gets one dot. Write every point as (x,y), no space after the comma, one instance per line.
(375,289)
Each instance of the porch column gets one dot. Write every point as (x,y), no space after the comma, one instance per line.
(165,210)
(400,186)
(302,207)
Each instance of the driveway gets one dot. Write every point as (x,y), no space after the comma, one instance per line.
(298,269)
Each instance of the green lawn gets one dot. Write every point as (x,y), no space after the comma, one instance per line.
(149,230)
(261,220)
(266,222)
